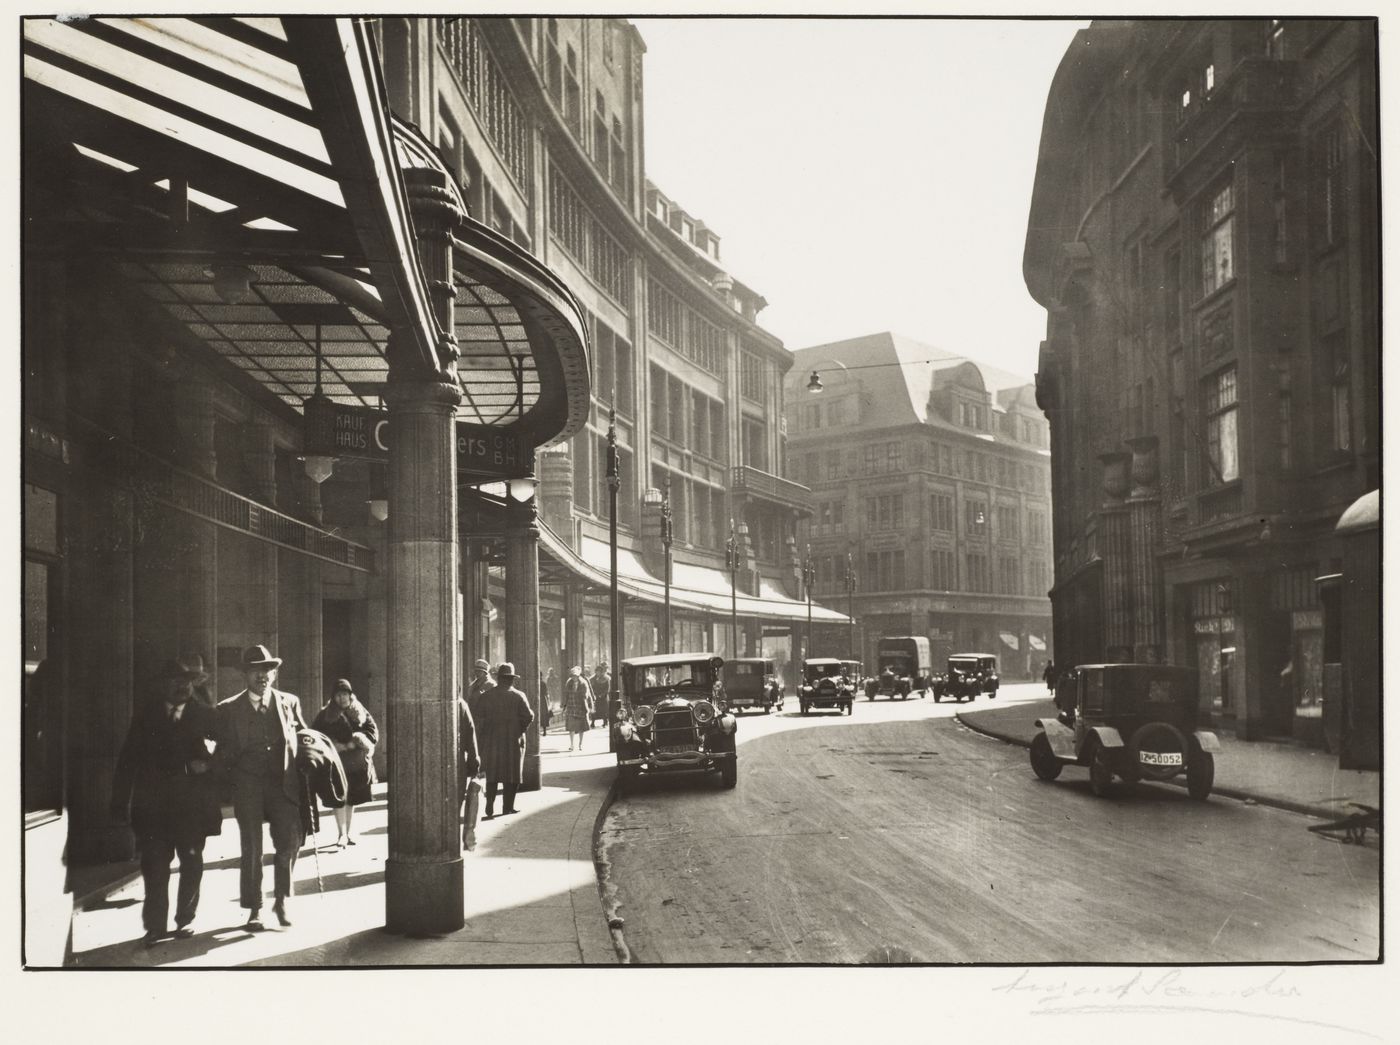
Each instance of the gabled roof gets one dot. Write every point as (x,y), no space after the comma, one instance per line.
(901,390)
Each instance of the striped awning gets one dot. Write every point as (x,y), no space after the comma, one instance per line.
(245,175)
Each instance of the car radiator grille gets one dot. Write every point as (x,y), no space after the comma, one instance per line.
(674,729)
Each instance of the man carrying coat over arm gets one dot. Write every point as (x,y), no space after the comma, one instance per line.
(257,749)
(163,777)
(502,716)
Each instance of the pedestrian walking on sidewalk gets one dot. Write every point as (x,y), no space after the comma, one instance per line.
(353,731)
(256,733)
(1050,674)
(578,707)
(480,683)
(469,786)
(164,785)
(502,717)
(546,712)
(601,685)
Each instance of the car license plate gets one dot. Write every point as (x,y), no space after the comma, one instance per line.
(1158,758)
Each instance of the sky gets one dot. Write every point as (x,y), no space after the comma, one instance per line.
(862,174)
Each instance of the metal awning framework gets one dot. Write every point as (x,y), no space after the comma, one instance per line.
(245,175)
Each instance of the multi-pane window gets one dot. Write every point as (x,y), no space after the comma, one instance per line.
(833,464)
(885,512)
(1331,188)
(973,415)
(829,518)
(1009,575)
(941,511)
(884,571)
(977,579)
(580,233)
(943,570)
(754,443)
(685,330)
(1222,426)
(1218,240)
(1035,521)
(486,88)
(700,422)
(1008,523)
(1340,395)
(1040,578)
(753,377)
(976,517)
(663,314)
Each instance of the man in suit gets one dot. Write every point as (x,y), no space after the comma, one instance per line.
(502,717)
(163,782)
(480,683)
(257,746)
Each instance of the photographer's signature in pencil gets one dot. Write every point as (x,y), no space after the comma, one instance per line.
(1150,986)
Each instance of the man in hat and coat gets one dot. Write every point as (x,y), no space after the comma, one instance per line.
(257,748)
(480,683)
(502,716)
(163,782)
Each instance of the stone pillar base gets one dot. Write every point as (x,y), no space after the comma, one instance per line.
(530,773)
(424,898)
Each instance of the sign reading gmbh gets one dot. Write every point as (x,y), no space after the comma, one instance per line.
(337,430)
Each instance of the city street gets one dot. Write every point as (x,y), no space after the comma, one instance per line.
(898,832)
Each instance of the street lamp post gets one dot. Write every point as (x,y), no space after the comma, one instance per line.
(809,576)
(659,501)
(666,535)
(614,481)
(851,608)
(733,555)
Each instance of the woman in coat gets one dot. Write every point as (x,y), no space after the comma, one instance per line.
(353,731)
(503,715)
(578,707)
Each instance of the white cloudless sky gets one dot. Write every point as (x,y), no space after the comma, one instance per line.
(862,174)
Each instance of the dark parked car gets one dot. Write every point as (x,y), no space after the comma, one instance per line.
(825,685)
(969,675)
(752,682)
(1133,721)
(672,718)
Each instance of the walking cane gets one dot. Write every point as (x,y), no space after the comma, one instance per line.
(316,830)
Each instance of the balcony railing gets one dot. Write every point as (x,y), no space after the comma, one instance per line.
(1256,86)
(1221,504)
(750,481)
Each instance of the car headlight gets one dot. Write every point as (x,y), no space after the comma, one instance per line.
(703,711)
(644,714)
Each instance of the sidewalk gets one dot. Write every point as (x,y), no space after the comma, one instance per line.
(1304,780)
(532,892)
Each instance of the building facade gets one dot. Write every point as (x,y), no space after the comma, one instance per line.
(930,479)
(542,121)
(1204,236)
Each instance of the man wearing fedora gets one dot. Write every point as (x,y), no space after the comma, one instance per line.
(481,681)
(163,782)
(257,747)
(502,716)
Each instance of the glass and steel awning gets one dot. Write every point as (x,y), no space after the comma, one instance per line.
(246,176)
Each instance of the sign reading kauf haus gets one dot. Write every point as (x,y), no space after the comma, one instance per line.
(337,430)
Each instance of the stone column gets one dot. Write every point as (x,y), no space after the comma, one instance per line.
(299,639)
(1144,513)
(523,621)
(1116,536)
(423,874)
(573,629)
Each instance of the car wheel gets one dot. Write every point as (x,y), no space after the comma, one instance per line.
(1200,775)
(1043,760)
(1100,772)
(729,773)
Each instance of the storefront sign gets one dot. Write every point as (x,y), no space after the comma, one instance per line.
(337,430)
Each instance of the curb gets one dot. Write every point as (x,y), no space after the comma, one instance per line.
(1319,812)
(607,895)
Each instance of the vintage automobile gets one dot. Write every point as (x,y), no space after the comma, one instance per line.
(969,676)
(854,671)
(673,718)
(903,665)
(752,682)
(1133,721)
(825,685)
